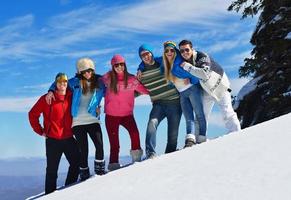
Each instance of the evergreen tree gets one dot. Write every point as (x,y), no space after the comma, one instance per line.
(271,60)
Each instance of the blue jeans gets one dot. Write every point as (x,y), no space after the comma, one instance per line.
(191,100)
(173,112)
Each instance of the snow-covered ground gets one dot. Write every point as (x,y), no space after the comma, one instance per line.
(252,164)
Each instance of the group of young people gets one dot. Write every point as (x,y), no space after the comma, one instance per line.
(181,81)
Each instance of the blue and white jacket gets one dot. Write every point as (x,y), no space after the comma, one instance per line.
(176,70)
(75,87)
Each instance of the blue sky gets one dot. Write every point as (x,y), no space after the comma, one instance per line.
(41,38)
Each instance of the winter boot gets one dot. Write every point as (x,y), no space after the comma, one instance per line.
(113,166)
(201,139)
(136,155)
(99,166)
(151,156)
(190,140)
(84,173)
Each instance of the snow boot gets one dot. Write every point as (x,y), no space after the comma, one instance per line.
(113,166)
(190,140)
(99,167)
(201,139)
(84,173)
(151,156)
(136,155)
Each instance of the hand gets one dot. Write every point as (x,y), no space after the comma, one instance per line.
(49,97)
(138,75)
(183,64)
(186,81)
(98,110)
(43,134)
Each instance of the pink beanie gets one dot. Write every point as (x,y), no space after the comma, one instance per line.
(117,59)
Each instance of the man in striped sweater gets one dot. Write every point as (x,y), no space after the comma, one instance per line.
(165,100)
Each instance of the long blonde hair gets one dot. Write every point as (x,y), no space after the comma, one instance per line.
(168,65)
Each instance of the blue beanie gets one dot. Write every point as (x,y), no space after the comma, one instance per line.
(145,47)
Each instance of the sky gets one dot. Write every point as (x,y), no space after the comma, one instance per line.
(242,166)
(38,39)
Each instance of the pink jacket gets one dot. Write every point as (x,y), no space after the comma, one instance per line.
(122,103)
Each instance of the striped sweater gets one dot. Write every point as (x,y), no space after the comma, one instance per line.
(155,82)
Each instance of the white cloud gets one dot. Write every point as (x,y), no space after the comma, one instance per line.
(22,40)
(90,53)
(17,104)
(37,87)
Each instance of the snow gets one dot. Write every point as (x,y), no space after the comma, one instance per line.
(278,17)
(288,36)
(246,89)
(251,164)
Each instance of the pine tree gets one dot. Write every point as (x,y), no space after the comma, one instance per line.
(271,60)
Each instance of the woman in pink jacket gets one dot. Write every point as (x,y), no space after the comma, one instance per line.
(119,103)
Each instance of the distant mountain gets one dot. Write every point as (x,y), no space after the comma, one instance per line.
(24,177)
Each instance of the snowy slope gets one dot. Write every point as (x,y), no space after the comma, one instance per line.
(252,164)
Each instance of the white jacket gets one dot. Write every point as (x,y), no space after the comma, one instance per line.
(212,77)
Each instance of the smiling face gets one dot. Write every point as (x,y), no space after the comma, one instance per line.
(62,86)
(147,57)
(169,52)
(119,67)
(186,52)
(87,74)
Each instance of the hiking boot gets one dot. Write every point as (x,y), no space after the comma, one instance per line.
(201,139)
(84,173)
(99,167)
(136,155)
(113,166)
(151,156)
(190,140)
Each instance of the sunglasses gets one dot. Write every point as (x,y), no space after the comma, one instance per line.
(145,54)
(86,71)
(169,50)
(187,50)
(118,64)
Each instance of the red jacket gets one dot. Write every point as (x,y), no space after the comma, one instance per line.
(57,118)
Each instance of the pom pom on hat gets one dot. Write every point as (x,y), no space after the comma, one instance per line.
(84,64)
(117,59)
(169,44)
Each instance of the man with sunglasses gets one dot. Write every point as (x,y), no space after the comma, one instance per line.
(165,100)
(214,82)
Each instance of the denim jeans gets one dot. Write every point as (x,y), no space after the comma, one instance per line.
(173,112)
(191,100)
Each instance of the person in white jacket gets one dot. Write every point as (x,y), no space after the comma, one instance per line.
(214,82)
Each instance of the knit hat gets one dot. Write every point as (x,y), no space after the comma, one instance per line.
(117,59)
(84,64)
(145,47)
(169,44)
(60,77)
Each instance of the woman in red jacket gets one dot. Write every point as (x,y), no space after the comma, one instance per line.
(57,123)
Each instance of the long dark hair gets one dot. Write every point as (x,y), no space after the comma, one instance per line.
(113,79)
(94,83)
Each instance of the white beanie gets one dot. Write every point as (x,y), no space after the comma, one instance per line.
(84,64)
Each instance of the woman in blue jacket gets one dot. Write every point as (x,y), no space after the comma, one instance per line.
(190,93)
(88,90)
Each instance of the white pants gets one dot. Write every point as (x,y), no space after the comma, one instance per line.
(229,116)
